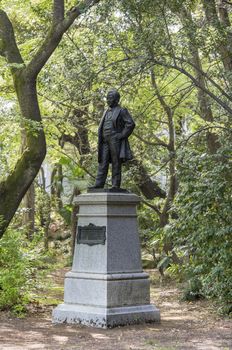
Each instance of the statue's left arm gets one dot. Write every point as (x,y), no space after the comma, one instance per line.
(129,124)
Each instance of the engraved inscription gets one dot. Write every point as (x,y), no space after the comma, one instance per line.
(91,234)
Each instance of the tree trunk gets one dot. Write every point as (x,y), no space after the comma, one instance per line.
(57,185)
(172,186)
(44,212)
(74,218)
(148,187)
(28,219)
(14,188)
(80,139)
(47,219)
(29,211)
(223,14)
(225,46)
(204,102)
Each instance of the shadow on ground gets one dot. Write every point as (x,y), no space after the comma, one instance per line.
(183,326)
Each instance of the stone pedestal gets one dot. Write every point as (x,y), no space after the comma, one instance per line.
(106,286)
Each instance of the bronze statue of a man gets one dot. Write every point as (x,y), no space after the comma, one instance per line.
(113,147)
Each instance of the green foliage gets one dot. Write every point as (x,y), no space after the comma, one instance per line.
(164,263)
(193,289)
(43,206)
(204,226)
(16,272)
(123,44)
(66,212)
(21,266)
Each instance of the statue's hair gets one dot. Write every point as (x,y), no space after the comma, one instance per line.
(115,92)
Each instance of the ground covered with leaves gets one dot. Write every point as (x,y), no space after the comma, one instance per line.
(184,325)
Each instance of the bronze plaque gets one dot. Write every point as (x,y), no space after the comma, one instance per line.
(91,234)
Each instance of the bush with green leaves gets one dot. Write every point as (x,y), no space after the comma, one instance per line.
(20,261)
(203,231)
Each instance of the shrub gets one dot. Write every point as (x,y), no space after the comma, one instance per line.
(20,261)
(204,224)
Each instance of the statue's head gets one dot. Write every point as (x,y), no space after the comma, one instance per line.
(113,98)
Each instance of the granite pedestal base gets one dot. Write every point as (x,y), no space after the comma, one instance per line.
(106,286)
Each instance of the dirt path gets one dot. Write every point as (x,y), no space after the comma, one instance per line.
(184,326)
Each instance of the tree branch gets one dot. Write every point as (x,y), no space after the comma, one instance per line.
(194,80)
(8,46)
(206,76)
(227,2)
(152,206)
(158,142)
(161,99)
(205,128)
(58,11)
(55,34)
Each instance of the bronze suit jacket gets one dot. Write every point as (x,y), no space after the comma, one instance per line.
(122,124)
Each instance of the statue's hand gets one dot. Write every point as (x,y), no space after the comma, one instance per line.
(119,136)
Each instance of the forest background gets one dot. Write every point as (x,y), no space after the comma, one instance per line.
(172,63)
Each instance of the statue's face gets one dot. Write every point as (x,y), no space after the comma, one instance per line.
(112,99)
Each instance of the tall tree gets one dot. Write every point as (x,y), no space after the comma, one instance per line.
(205,111)
(221,23)
(13,189)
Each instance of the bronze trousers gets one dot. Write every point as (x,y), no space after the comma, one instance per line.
(110,151)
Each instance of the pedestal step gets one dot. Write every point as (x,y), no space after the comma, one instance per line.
(107,290)
(105,317)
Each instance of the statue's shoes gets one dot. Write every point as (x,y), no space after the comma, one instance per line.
(118,189)
(94,187)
